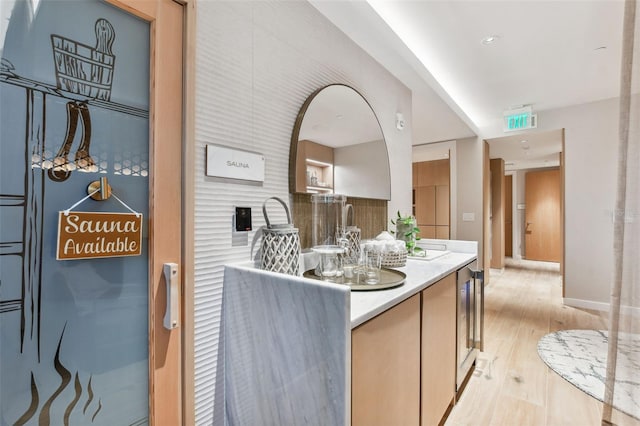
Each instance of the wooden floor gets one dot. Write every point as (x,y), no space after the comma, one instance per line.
(512,385)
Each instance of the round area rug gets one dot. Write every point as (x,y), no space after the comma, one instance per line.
(580,357)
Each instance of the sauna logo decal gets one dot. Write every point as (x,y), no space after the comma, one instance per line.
(88,72)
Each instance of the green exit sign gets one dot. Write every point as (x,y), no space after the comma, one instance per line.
(519,119)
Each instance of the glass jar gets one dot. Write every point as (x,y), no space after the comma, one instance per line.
(327,220)
(327,236)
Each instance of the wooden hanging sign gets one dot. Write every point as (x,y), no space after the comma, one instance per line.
(88,235)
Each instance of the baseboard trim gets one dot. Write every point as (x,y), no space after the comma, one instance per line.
(586,304)
(599,306)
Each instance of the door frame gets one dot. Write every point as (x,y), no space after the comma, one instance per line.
(486,212)
(170,352)
(562,215)
(508,212)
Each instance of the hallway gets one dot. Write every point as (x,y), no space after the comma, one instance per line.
(511,384)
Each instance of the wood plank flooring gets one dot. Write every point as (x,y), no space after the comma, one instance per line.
(511,384)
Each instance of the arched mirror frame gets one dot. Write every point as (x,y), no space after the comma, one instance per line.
(295,136)
(370,214)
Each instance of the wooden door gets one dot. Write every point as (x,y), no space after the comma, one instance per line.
(89,90)
(166,18)
(543,231)
(497,212)
(486,212)
(508,216)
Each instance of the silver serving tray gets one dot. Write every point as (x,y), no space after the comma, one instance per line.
(389,278)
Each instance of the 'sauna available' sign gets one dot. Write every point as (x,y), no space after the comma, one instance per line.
(87,235)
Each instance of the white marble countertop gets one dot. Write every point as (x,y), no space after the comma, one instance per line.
(288,338)
(420,275)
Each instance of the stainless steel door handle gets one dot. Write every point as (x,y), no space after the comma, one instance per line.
(172,312)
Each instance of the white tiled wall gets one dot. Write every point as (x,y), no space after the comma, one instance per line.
(256,64)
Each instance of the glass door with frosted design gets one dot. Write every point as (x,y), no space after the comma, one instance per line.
(74,102)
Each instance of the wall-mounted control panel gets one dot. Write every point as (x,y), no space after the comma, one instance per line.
(243,219)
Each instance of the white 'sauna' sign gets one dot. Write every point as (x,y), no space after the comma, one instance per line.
(234,164)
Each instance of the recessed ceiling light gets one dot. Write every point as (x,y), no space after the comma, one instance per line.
(490,39)
(601,48)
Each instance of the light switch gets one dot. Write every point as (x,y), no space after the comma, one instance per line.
(468,217)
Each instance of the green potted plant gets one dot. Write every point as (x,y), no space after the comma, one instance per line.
(407,230)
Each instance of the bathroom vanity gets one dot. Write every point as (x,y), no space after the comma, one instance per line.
(303,351)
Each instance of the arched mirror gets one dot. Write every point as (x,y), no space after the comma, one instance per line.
(338,146)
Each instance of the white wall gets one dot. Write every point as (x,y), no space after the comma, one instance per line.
(469,153)
(591,138)
(256,63)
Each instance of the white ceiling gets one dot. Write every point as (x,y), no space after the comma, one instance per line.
(549,54)
(528,151)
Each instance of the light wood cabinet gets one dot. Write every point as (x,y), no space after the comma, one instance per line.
(442,205)
(403,361)
(316,152)
(385,367)
(425,173)
(432,198)
(427,231)
(425,205)
(442,232)
(438,350)
(441,171)
(432,172)
(314,160)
